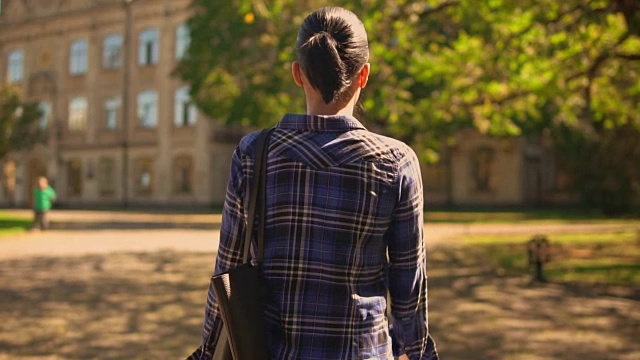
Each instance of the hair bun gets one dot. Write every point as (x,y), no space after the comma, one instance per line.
(332,48)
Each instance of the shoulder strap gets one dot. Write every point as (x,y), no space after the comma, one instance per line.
(257,195)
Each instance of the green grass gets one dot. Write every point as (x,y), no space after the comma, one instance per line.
(570,215)
(10,224)
(593,258)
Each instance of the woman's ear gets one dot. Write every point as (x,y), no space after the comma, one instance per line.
(296,71)
(363,77)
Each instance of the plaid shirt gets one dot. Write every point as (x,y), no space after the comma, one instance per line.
(344,226)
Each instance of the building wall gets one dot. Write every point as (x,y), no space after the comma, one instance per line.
(46,30)
(88,168)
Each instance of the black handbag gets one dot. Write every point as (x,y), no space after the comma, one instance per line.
(241,290)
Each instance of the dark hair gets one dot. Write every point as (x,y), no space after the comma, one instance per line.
(332,48)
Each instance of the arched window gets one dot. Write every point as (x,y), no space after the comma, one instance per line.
(112,51)
(148,48)
(148,109)
(15,66)
(183,39)
(78,110)
(143,176)
(111,112)
(184,111)
(78,61)
(183,174)
(482,165)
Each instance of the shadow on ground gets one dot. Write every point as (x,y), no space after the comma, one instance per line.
(131,225)
(150,305)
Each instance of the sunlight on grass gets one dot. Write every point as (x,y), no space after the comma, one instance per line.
(529,216)
(10,225)
(597,258)
(558,238)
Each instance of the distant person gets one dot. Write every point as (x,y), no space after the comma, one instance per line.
(344,218)
(43,198)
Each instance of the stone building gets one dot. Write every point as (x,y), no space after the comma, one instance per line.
(478,170)
(122,130)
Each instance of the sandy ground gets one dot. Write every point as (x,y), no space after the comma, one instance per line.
(105,285)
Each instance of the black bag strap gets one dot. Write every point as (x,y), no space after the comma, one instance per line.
(257,196)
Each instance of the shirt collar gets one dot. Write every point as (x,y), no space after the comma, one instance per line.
(319,122)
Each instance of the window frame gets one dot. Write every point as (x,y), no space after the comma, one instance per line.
(148,46)
(147,109)
(183,40)
(183,108)
(75,120)
(112,105)
(79,57)
(112,46)
(15,66)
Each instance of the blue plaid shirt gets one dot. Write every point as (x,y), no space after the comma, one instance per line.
(344,227)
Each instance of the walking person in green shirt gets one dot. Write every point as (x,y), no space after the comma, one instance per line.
(43,197)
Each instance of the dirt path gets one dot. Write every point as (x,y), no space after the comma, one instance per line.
(100,232)
(134,287)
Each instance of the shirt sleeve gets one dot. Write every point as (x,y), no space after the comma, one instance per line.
(407,267)
(229,251)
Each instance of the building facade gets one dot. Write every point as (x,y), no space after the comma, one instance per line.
(478,170)
(121,127)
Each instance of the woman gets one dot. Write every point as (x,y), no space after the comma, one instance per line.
(344,217)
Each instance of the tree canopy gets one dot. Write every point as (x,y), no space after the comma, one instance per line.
(503,67)
(18,128)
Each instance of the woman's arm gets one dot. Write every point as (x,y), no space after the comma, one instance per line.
(407,267)
(229,250)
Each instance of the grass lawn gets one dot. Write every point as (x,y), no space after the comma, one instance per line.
(592,258)
(10,224)
(554,215)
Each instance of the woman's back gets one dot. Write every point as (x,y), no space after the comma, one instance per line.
(333,192)
(344,217)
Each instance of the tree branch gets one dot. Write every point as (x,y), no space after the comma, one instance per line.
(631,57)
(441,7)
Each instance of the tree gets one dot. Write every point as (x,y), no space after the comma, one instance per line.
(18,128)
(503,67)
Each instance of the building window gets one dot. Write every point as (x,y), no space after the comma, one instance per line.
(106,176)
(74,177)
(45,115)
(482,167)
(183,175)
(78,61)
(78,108)
(143,175)
(183,39)
(149,47)
(112,52)
(184,110)
(15,66)
(435,179)
(148,109)
(111,112)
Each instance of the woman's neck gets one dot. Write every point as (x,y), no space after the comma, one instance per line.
(317,106)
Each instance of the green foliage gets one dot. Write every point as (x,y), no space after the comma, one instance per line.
(591,258)
(503,67)
(605,166)
(18,129)
(10,225)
